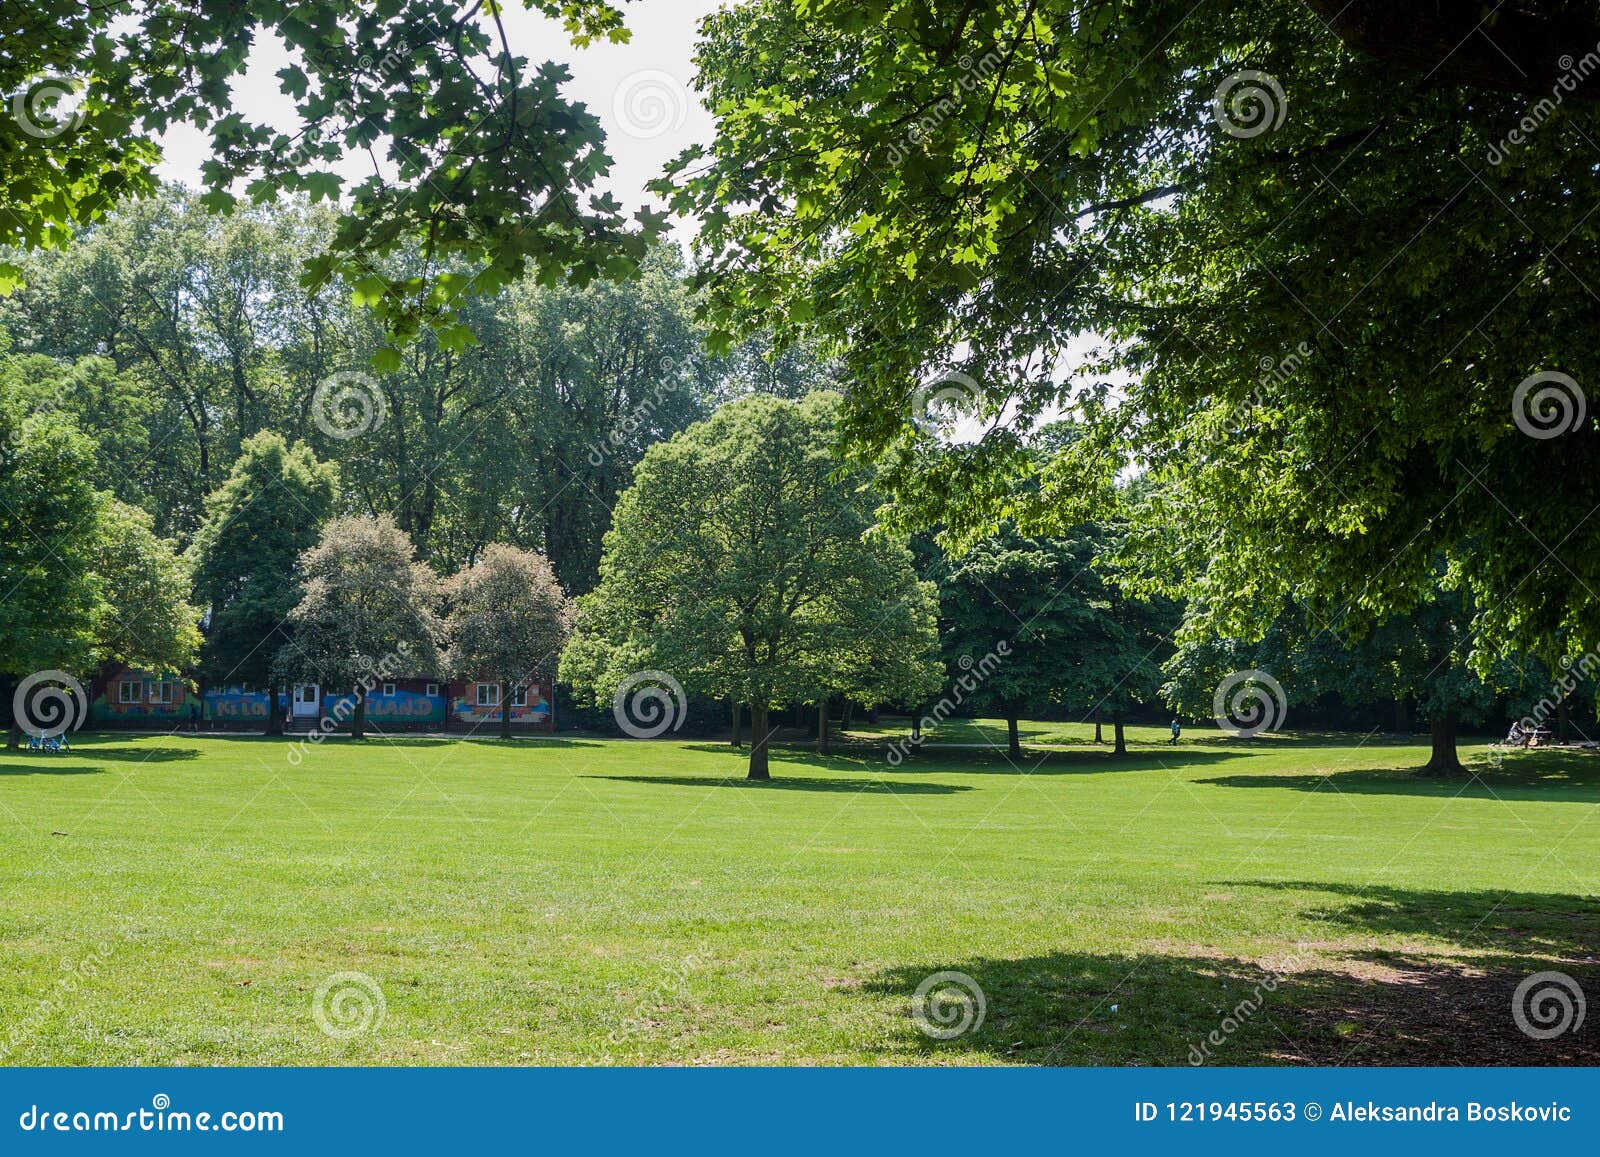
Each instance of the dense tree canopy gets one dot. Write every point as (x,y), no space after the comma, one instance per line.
(1319,285)
(369,611)
(246,556)
(745,565)
(1070,637)
(145,618)
(508,621)
(177,336)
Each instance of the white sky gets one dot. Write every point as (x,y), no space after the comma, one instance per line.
(640,91)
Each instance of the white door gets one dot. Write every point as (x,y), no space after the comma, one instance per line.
(307,700)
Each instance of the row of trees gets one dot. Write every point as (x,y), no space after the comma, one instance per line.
(743,559)
(295,593)
(177,335)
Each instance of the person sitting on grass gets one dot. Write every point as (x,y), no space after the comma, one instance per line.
(1515,737)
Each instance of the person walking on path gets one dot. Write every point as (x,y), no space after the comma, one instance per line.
(1177,729)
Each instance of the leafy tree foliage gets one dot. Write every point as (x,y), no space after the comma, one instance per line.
(369,609)
(483,162)
(186,335)
(145,618)
(509,620)
(246,557)
(744,563)
(1325,316)
(49,531)
(1070,635)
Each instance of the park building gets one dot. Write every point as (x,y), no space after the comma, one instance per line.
(123,697)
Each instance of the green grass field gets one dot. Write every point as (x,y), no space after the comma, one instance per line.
(180,900)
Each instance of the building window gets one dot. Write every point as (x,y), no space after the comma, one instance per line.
(127,691)
(388,688)
(161,692)
(519,696)
(488,694)
(433,690)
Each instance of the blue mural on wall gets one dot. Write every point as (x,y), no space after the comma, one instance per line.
(231,705)
(402,707)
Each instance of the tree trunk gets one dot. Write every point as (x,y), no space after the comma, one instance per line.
(1402,720)
(358,720)
(1563,722)
(824,741)
(1121,747)
(505,710)
(1444,761)
(1013,741)
(916,731)
(8,689)
(849,713)
(274,720)
(1098,736)
(738,723)
(759,734)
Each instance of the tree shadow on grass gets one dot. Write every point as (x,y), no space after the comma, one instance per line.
(975,761)
(1086,1009)
(1553,776)
(1330,1000)
(45,765)
(135,754)
(39,763)
(1502,928)
(780,783)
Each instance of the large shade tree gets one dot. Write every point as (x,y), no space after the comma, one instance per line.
(145,619)
(246,558)
(369,610)
(508,621)
(1331,248)
(1414,660)
(1069,635)
(745,564)
(50,526)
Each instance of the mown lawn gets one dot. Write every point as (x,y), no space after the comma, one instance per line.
(179,900)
